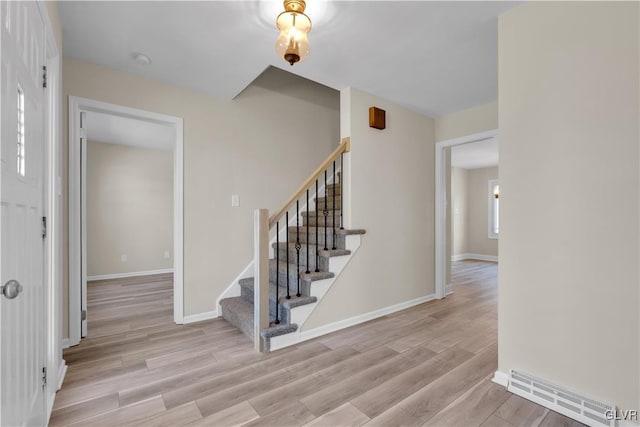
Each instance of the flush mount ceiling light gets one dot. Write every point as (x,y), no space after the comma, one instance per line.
(294,25)
(141,58)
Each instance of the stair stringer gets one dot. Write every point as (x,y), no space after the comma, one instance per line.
(299,315)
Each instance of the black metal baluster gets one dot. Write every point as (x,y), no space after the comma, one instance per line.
(341,193)
(334,206)
(287,248)
(317,228)
(298,246)
(277,269)
(325,212)
(308,271)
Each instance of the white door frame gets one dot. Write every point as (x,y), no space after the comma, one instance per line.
(56,367)
(441,202)
(77,246)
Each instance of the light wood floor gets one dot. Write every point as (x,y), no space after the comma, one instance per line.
(428,365)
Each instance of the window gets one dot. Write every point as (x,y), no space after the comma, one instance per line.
(21,150)
(494,209)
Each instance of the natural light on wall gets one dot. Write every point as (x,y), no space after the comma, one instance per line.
(494,209)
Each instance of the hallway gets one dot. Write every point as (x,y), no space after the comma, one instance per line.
(427,365)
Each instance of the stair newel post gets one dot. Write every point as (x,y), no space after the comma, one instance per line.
(308,271)
(341,192)
(261,275)
(334,206)
(317,228)
(325,212)
(298,246)
(277,272)
(287,250)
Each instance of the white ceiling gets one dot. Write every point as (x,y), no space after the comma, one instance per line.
(125,131)
(433,57)
(475,155)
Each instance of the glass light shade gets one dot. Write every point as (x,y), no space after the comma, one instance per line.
(292,44)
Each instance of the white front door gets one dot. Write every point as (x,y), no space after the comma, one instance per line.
(22,321)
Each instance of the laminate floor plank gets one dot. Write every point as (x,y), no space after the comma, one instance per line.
(378,399)
(236,415)
(83,410)
(427,365)
(222,383)
(211,403)
(126,415)
(522,412)
(346,415)
(178,416)
(356,384)
(268,402)
(473,407)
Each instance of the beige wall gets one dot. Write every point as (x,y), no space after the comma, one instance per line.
(470,216)
(129,209)
(569,196)
(261,145)
(459,211)
(467,122)
(392,193)
(478,214)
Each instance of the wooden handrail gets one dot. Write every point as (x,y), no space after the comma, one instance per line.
(344,147)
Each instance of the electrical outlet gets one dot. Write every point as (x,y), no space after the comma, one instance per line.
(123,257)
(235,200)
(166,254)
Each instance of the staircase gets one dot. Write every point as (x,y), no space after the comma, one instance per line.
(306,260)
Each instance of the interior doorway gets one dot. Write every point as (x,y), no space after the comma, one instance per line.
(125,210)
(470,155)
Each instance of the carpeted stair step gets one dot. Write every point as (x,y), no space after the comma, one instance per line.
(331,203)
(238,312)
(305,279)
(331,189)
(323,258)
(340,235)
(320,220)
(311,238)
(285,305)
(276,330)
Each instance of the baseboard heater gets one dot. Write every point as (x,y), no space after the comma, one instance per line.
(580,408)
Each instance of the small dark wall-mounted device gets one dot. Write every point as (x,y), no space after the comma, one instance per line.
(377,118)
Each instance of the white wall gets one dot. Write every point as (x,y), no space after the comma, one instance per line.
(129,209)
(261,146)
(569,196)
(459,211)
(392,193)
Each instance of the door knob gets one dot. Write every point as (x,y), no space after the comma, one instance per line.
(11,289)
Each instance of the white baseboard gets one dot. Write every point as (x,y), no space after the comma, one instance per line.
(65,343)
(131,274)
(478,257)
(352,321)
(448,289)
(61,373)
(501,378)
(207,315)
(51,395)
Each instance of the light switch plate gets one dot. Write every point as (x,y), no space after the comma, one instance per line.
(235,200)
